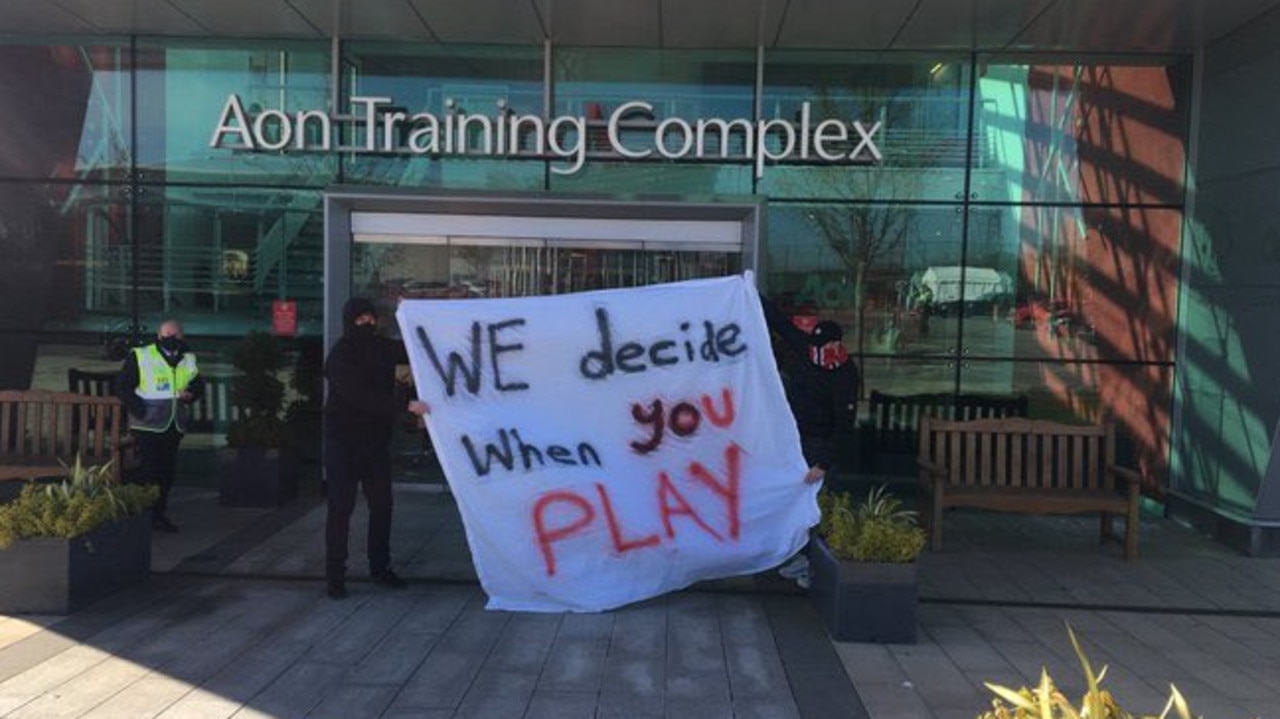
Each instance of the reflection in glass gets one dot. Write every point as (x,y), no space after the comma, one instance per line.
(679,83)
(1057,131)
(460,268)
(489,81)
(1137,398)
(682,180)
(219,258)
(1074,283)
(865,266)
(920,102)
(66,111)
(183,86)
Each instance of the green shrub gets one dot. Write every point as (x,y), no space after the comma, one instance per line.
(876,530)
(86,500)
(1046,701)
(257,391)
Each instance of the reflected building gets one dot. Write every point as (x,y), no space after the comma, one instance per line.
(1068,202)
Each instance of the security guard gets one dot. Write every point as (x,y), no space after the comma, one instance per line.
(157,385)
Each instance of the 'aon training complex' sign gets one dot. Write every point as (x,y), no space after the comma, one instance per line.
(385,129)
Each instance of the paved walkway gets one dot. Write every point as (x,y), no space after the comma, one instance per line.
(236,625)
(186,649)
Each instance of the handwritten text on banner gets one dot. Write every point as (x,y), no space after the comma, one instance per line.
(606,447)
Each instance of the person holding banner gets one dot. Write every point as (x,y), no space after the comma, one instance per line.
(822,386)
(364,401)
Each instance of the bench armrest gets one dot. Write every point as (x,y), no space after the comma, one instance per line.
(929,468)
(1132,478)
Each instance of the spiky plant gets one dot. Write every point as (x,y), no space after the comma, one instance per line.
(88,498)
(1046,701)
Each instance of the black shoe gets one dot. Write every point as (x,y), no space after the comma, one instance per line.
(337,589)
(161,523)
(389,579)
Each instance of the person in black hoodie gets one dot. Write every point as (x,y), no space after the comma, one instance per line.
(822,386)
(360,412)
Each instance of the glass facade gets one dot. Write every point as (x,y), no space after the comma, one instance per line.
(1020,236)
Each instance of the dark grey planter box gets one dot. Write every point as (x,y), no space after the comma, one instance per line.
(863,601)
(50,575)
(252,477)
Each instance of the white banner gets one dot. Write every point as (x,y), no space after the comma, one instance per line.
(606,447)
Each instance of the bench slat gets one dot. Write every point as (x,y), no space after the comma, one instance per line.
(99,431)
(1037,502)
(970,455)
(6,436)
(985,458)
(1078,468)
(56,448)
(1001,441)
(954,463)
(22,430)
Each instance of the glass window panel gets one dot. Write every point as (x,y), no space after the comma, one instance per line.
(1229,383)
(922,103)
(1071,283)
(490,81)
(55,243)
(459,268)
(66,111)
(183,86)
(904,376)
(679,83)
(1137,398)
(865,267)
(59,257)
(685,180)
(450,173)
(1055,130)
(218,257)
(593,83)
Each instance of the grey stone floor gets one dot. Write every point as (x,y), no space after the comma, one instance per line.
(235,625)
(216,648)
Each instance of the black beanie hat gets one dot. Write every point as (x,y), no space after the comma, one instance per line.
(355,307)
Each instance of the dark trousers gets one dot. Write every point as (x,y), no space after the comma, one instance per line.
(158,456)
(347,465)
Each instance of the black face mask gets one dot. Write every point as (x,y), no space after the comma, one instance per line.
(170,344)
(364,332)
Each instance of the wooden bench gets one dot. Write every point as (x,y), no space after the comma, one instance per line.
(39,428)
(210,414)
(214,410)
(1028,466)
(94,384)
(892,428)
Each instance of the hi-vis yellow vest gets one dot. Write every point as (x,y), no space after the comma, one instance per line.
(159,387)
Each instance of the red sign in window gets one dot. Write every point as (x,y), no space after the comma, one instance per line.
(284,318)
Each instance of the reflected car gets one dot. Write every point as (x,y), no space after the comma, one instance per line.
(439,290)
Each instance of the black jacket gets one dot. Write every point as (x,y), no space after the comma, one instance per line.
(127,382)
(364,400)
(823,401)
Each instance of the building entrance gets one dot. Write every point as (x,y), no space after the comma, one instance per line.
(392,247)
